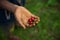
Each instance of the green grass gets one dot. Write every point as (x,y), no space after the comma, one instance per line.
(49,26)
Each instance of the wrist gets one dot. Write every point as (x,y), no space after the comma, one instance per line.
(17,9)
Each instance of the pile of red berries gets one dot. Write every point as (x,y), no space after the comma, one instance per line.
(32,21)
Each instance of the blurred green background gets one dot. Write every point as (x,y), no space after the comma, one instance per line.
(49,26)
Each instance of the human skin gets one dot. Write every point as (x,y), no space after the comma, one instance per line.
(21,13)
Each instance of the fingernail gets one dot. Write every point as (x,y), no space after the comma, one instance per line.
(36,22)
(24,27)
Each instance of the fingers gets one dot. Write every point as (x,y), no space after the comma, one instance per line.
(21,23)
(33,20)
(32,25)
(25,20)
(24,23)
(37,19)
(18,18)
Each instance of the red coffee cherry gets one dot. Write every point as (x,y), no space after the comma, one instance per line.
(32,18)
(30,23)
(29,20)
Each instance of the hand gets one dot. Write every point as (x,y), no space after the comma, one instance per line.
(23,15)
(29,15)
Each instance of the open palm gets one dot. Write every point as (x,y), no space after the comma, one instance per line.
(23,15)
